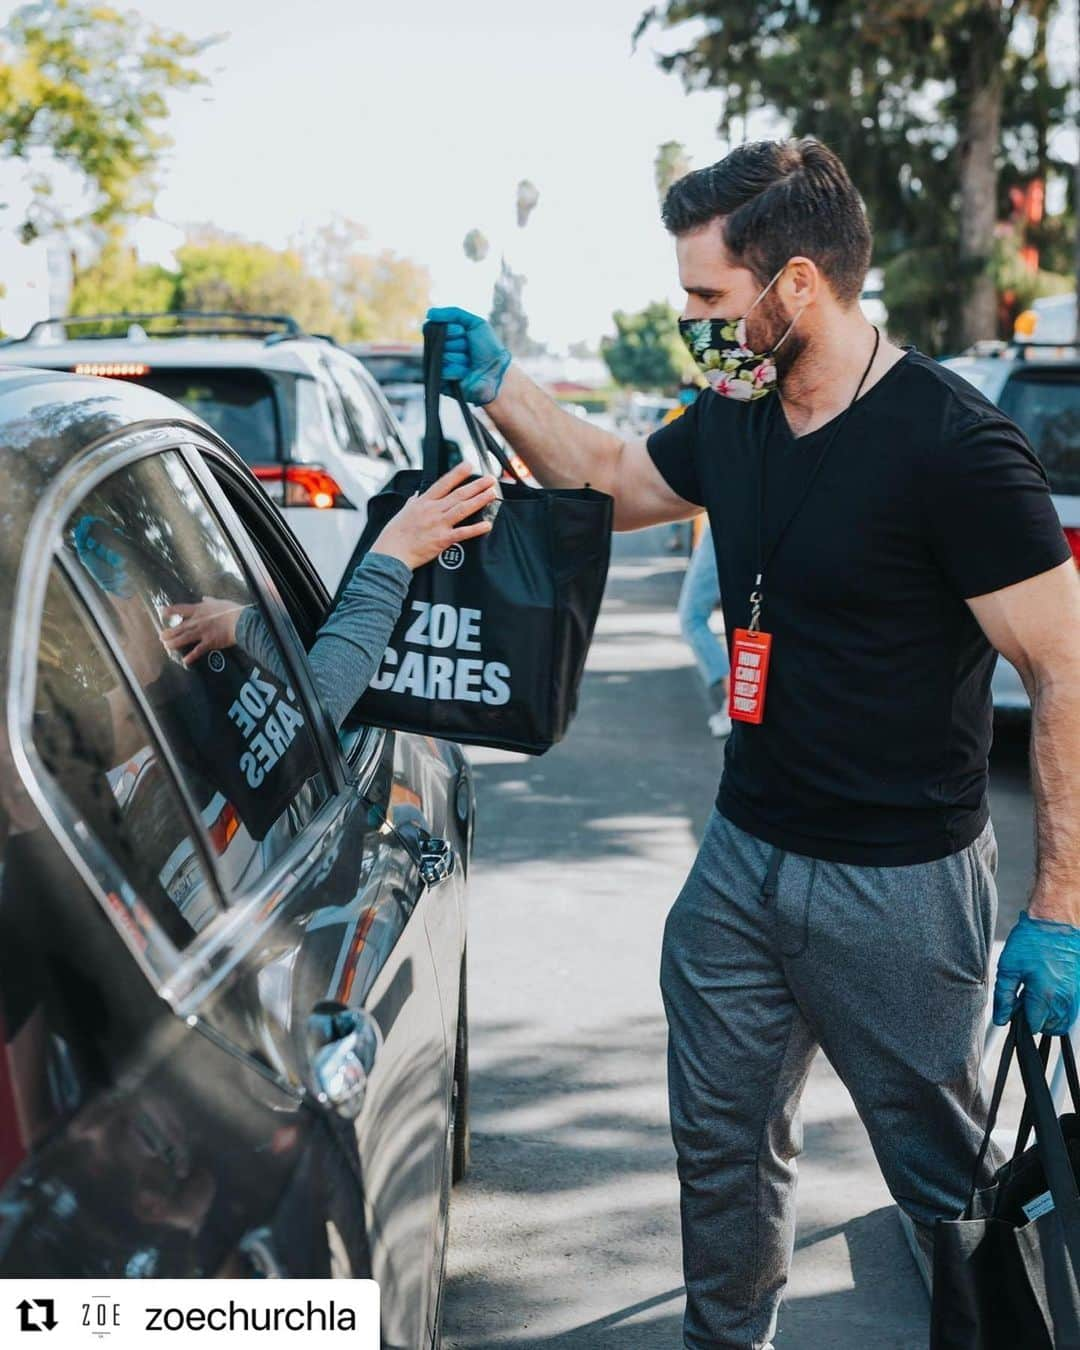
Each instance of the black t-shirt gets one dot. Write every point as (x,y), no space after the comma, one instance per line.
(878,712)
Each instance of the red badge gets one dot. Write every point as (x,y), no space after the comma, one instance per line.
(750,671)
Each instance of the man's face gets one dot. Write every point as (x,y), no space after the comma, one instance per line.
(718,289)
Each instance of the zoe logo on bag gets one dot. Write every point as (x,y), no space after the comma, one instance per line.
(451,679)
(451,558)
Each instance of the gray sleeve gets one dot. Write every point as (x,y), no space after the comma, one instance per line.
(350,644)
(253,635)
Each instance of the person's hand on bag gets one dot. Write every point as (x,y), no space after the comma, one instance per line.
(431,521)
(473,356)
(206,626)
(1042,957)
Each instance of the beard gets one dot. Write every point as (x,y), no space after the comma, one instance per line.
(774,323)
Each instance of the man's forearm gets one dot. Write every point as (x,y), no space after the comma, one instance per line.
(560,449)
(1055,778)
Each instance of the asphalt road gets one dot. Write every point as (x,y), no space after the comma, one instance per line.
(565,1234)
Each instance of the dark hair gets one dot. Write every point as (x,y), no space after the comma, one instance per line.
(779,199)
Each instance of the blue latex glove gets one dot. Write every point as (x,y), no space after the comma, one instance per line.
(1044,957)
(104,564)
(473,355)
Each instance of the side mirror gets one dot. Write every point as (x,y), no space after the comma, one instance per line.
(343,1043)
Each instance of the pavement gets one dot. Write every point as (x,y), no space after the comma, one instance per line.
(566,1233)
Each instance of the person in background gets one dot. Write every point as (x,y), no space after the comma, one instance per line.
(698,598)
(681,537)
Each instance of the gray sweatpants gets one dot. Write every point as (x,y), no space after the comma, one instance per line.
(768,955)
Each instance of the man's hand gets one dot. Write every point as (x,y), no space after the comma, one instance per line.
(1044,958)
(206,627)
(474,356)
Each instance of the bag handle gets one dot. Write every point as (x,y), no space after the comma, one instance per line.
(434,443)
(1004,1064)
(1048,1135)
(1068,1059)
(485,442)
(436,456)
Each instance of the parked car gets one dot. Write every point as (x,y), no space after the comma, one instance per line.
(1039,388)
(232,939)
(1051,318)
(302,412)
(399,369)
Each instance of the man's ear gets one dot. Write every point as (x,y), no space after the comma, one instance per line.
(801,283)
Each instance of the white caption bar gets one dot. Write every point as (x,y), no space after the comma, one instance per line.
(134,1314)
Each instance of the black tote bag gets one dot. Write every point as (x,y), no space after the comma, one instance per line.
(1005,1272)
(491,644)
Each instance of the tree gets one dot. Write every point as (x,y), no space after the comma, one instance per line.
(376,295)
(671,163)
(223,272)
(914,97)
(646,351)
(508,317)
(83,94)
(117,283)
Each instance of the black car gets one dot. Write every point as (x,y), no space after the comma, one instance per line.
(232,939)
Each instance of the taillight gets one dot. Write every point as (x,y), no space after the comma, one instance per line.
(223,829)
(303,485)
(1072,534)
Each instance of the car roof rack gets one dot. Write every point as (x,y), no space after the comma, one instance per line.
(210,324)
(1023,348)
(1018,351)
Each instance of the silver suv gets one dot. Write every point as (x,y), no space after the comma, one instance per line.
(304,413)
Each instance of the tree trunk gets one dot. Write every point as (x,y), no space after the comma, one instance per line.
(981,91)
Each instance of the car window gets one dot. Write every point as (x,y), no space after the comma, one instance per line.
(239,404)
(157,558)
(1048,412)
(363,410)
(344,435)
(95,744)
(395,367)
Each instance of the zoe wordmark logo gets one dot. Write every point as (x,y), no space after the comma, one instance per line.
(451,558)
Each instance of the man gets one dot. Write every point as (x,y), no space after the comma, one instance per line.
(880,529)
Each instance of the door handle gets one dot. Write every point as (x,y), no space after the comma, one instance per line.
(344,1043)
(437,860)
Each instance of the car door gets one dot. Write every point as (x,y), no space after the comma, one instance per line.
(133,1143)
(318,969)
(421,788)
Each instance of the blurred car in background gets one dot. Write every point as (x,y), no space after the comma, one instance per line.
(1052,318)
(399,369)
(1038,386)
(872,300)
(301,411)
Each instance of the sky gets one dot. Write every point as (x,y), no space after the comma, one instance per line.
(418,118)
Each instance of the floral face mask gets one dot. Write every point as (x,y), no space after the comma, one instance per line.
(731,368)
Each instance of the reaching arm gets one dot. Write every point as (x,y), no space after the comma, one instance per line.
(560,449)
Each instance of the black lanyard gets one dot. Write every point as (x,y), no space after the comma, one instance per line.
(757,595)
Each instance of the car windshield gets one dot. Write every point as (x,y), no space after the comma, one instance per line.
(395,367)
(238,404)
(1047,409)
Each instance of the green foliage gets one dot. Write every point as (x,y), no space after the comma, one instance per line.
(83,90)
(218,271)
(888,85)
(646,351)
(671,163)
(116,282)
